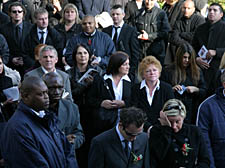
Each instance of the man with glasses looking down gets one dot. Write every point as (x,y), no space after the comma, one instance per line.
(123,146)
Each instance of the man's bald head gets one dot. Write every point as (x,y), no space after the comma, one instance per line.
(88,24)
(188,8)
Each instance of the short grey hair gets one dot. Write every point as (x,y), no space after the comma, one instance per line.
(39,11)
(48,48)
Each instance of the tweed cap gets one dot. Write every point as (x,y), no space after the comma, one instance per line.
(174,107)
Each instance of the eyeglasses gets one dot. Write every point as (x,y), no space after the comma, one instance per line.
(17,11)
(175,107)
(132,134)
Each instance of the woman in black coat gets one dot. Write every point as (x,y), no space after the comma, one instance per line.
(151,94)
(174,144)
(110,93)
(186,79)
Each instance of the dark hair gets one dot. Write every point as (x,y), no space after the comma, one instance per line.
(75,52)
(115,61)
(17,4)
(180,72)
(132,115)
(117,6)
(217,4)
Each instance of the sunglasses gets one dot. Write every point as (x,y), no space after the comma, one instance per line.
(17,11)
(131,134)
(175,107)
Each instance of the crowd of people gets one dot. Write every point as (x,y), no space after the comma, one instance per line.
(112,84)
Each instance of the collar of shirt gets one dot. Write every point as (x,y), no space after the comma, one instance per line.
(40,114)
(118,30)
(20,25)
(45,71)
(90,34)
(149,97)
(125,77)
(44,30)
(122,138)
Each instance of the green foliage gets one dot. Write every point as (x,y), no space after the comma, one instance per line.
(221,2)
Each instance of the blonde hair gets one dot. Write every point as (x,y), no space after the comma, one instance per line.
(174,107)
(222,62)
(143,65)
(70,6)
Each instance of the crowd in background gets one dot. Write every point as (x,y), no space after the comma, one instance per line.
(99,57)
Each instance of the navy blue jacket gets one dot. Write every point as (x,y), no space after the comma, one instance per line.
(31,141)
(100,44)
(212,122)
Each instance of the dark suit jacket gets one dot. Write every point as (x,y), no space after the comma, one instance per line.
(15,47)
(97,93)
(66,81)
(128,42)
(107,152)
(140,100)
(31,41)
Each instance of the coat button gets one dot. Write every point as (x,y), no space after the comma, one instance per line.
(175,149)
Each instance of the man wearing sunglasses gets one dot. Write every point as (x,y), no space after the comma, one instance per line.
(15,33)
(123,146)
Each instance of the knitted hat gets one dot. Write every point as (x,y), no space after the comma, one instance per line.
(174,107)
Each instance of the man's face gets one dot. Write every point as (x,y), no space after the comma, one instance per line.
(48,60)
(117,16)
(214,14)
(188,8)
(38,99)
(88,24)
(55,89)
(16,14)
(150,3)
(131,132)
(42,21)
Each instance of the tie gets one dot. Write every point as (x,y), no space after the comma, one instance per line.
(115,35)
(18,33)
(127,148)
(42,37)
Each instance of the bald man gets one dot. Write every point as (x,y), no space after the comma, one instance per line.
(183,30)
(100,44)
(31,138)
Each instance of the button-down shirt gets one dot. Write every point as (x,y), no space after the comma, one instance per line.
(44,35)
(122,138)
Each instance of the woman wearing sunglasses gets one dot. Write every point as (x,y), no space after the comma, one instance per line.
(174,144)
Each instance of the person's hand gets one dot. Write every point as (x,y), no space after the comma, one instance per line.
(210,54)
(2,162)
(201,63)
(143,36)
(164,121)
(95,60)
(17,61)
(71,138)
(177,88)
(9,101)
(119,103)
(89,80)
(192,89)
(108,104)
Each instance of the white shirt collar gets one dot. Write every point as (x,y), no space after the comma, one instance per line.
(118,132)
(120,25)
(125,77)
(40,114)
(143,84)
(45,71)
(44,30)
(92,34)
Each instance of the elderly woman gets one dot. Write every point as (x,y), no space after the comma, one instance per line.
(111,92)
(174,144)
(151,94)
(186,79)
(8,79)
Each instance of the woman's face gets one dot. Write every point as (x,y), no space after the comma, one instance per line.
(186,60)
(1,66)
(82,56)
(176,122)
(151,73)
(70,14)
(124,68)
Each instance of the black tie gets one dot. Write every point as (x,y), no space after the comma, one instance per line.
(42,37)
(18,33)
(115,35)
(127,148)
